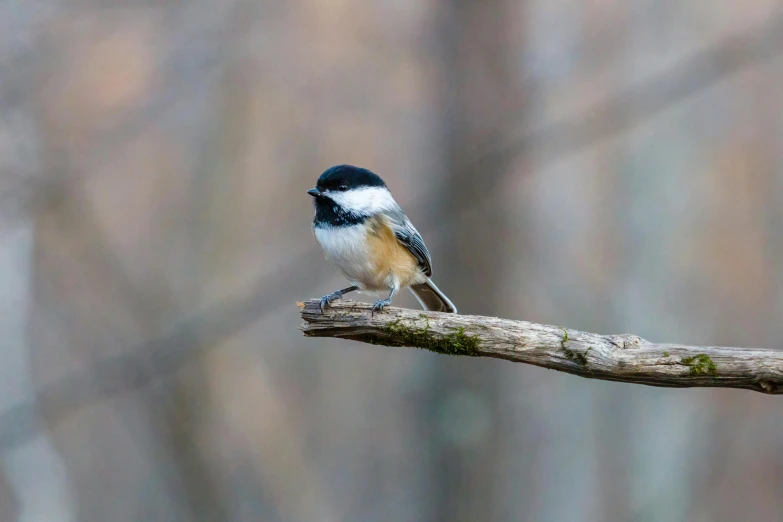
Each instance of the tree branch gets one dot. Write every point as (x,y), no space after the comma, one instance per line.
(625,358)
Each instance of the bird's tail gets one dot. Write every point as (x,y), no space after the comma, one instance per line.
(432,299)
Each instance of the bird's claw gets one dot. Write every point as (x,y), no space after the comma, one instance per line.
(379,306)
(326,301)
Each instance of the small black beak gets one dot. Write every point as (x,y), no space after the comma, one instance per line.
(315,192)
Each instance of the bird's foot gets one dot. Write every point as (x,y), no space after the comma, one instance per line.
(326,301)
(379,306)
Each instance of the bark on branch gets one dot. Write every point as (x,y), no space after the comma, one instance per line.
(625,357)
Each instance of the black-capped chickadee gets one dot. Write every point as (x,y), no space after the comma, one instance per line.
(363,230)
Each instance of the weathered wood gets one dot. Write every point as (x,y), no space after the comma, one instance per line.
(625,357)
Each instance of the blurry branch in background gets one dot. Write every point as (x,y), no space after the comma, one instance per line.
(141,365)
(662,91)
(624,358)
(620,111)
(156,358)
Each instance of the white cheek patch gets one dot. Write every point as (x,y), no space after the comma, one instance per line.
(365,200)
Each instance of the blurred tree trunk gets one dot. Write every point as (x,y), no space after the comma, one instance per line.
(479,98)
(34,471)
(99,287)
(38,497)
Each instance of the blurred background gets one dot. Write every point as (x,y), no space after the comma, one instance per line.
(610,166)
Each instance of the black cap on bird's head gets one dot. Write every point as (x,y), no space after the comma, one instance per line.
(345,177)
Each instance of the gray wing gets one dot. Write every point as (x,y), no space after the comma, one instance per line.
(407,234)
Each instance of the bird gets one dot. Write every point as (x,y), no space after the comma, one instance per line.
(362,230)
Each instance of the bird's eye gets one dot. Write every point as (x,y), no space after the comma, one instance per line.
(342,186)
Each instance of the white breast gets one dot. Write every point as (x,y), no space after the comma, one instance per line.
(347,248)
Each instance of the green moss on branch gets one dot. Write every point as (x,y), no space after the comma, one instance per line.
(700,365)
(456,343)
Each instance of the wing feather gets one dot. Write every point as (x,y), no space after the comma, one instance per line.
(407,234)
